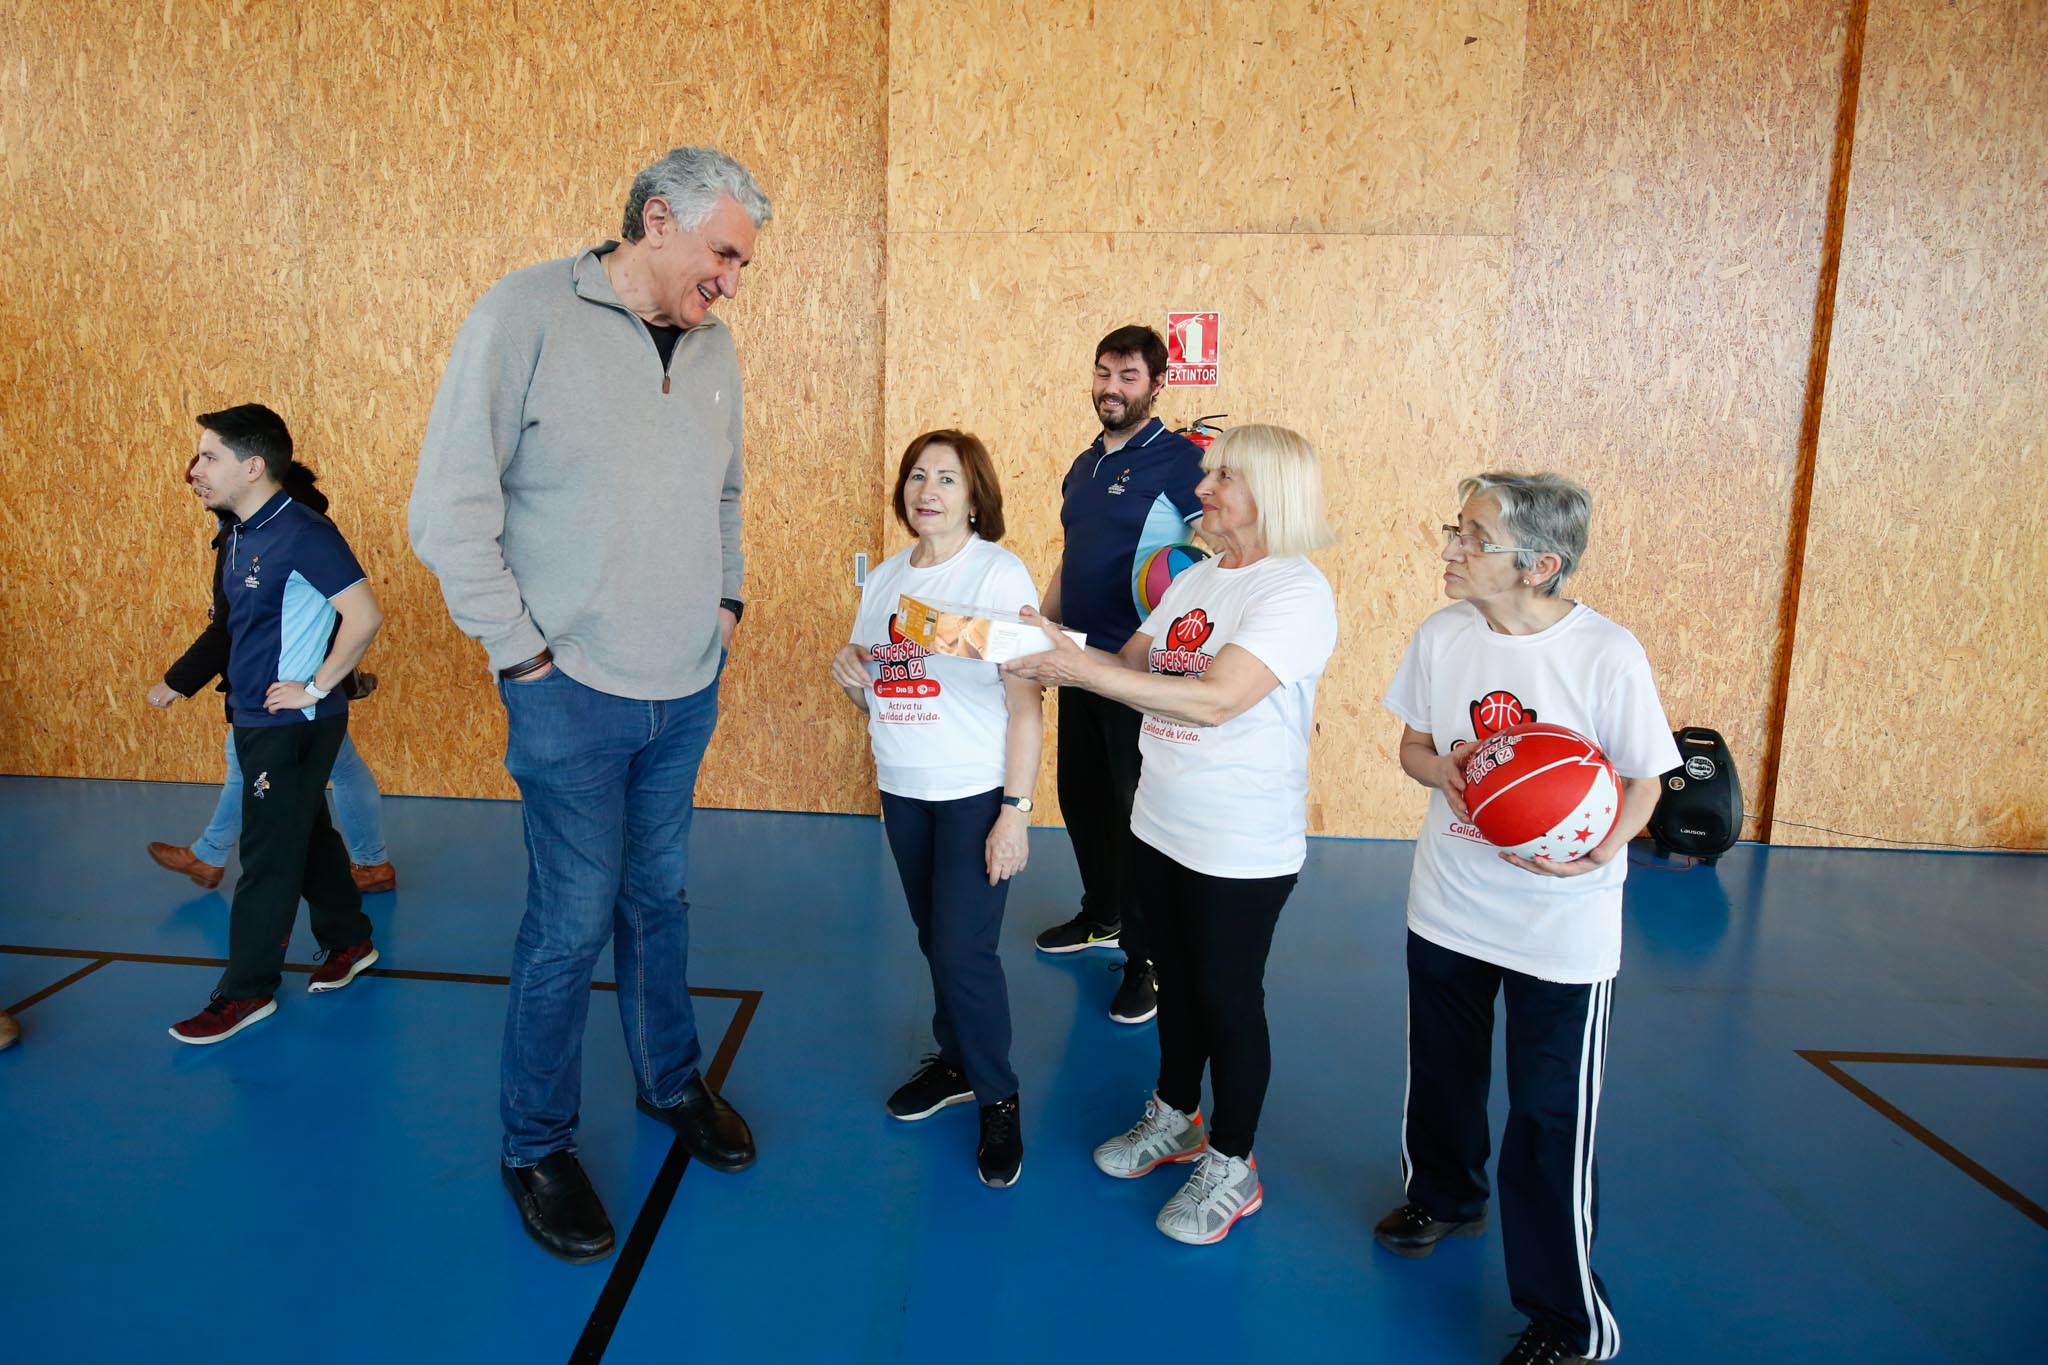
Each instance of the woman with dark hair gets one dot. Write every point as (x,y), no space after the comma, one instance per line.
(356,795)
(956,753)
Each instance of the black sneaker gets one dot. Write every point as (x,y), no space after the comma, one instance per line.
(1411,1231)
(1137,999)
(1076,934)
(1542,1344)
(1000,1157)
(934,1086)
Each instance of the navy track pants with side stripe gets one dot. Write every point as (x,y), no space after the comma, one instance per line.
(1556,1059)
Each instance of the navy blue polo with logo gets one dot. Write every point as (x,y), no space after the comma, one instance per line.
(1119,507)
(284,564)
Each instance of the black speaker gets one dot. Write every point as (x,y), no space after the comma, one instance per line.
(1699,810)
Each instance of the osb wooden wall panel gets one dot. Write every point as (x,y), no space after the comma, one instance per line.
(997,332)
(1670,205)
(1919,687)
(148,262)
(1202,116)
(1337,180)
(315,196)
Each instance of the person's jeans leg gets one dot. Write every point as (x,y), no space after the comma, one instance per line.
(910,826)
(651,918)
(218,841)
(967,927)
(568,747)
(358,807)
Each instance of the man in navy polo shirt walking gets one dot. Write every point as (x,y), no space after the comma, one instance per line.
(300,616)
(1127,495)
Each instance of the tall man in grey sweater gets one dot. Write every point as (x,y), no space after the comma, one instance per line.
(579,498)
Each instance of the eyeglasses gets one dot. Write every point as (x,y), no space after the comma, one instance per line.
(1472,544)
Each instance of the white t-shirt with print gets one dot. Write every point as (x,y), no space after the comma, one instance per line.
(1231,800)
(1461,680)
(937,723)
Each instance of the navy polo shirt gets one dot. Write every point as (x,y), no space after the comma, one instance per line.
(1118,508)
(282,565)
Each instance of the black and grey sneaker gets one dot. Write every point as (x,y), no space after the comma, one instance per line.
(1137,999)
(1413,1231)
(1000,1156)
(1076,934)
(934,1086)
(1542,1344)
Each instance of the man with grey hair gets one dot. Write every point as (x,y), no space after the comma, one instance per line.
(578,496)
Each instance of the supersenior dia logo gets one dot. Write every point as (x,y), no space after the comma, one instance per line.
(1492,752)
(1184,638)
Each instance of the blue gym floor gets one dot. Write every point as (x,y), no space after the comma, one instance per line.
(1824,1137)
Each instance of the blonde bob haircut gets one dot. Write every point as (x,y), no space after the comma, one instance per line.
(1280,470)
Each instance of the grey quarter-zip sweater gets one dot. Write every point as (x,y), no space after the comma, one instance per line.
(571,494)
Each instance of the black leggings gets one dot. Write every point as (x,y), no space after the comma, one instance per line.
(1209,940)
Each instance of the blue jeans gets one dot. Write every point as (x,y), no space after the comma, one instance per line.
(608,786)
(356,810)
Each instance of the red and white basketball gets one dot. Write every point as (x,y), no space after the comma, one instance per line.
(1542,791)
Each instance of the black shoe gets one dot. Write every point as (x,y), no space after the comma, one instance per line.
(1077,933)
(710,1129)
(1409,1231)
(560,1209)
(1542,1344)
(934,1086)
(1000,1157)
(1137,999)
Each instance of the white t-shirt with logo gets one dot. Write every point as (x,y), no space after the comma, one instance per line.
(1231,800)
(937,723)
(1460,681)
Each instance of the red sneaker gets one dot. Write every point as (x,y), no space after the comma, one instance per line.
(179,859)
(222,1020)
(374,877)
(342,966)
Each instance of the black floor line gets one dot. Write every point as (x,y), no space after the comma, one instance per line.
(632,1257)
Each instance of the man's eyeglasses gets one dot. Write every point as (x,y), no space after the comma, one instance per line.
(1472,544)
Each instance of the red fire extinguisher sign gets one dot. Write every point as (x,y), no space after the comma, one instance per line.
(1191,349)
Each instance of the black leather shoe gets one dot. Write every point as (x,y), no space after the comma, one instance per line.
(1542,1344)
(560,1209)
(710,1129)
(1410,1231)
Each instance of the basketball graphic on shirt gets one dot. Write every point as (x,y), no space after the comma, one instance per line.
(1189,630)
(1158,569)
(1541,791)
(1498,711)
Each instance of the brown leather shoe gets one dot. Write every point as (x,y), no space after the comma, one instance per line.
(374,878)
(179,859)
(9,1031)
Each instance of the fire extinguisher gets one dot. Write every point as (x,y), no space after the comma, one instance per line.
(1201,432)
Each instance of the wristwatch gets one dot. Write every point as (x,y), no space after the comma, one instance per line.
(735,606)
(317,692)
(1022,803)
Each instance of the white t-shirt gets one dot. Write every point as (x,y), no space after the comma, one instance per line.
(1231,800)
(1459,681)
(937,723)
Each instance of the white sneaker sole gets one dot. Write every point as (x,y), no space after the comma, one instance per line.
(942,1104)
(1002,1184)
(1188,1239)
(1147,1016)
(223,1036)
(367,961)
(1110,942)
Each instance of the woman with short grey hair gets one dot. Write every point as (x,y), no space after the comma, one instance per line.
(1482,922)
